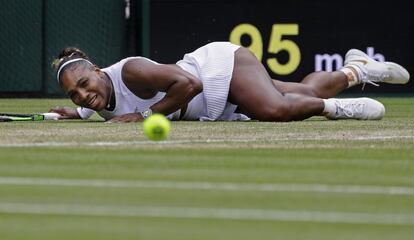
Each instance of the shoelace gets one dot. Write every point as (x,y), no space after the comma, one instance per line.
(374,78)
(349,109)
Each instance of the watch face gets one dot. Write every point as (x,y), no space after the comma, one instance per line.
(146,113)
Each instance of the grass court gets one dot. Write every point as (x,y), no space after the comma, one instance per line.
(314,179)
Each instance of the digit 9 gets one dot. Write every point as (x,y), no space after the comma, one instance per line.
(256,42)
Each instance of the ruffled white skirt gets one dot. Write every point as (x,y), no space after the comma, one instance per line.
(213,65)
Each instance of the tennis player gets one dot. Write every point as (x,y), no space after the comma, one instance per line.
(217,82)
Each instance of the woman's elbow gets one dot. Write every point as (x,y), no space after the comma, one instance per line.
(195,86)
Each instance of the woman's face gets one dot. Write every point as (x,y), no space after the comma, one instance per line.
(86,87)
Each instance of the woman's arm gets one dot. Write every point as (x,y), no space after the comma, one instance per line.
(146,78)
(70,113)
(66,112)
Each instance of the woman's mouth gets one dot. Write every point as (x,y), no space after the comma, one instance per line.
(92,101)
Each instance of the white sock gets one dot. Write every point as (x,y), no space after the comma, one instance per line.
(353,73)
(330,107)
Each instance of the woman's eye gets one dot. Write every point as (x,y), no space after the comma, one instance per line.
(84,83)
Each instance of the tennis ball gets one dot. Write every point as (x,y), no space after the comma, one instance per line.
(157,127)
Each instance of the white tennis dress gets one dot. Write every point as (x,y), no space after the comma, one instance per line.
(212,64)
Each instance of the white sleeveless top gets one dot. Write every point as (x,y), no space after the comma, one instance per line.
(212,64)
(126,101)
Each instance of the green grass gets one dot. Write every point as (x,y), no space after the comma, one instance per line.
(314,179)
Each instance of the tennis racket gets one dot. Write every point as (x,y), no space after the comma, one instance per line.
(15,117)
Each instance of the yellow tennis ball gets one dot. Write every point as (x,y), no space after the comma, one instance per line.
(157,127)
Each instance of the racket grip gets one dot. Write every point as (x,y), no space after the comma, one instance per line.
(51,116)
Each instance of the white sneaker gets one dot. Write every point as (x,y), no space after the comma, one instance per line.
(354,108)
(373,72)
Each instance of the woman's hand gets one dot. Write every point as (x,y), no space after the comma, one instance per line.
(130,117)
(66,112)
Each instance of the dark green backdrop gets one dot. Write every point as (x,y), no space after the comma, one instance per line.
(32,33)
(21,45)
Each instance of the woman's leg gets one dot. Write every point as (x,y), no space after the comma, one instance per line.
(255,93)
(317,84)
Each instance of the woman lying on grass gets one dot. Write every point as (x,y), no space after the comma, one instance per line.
(217,82)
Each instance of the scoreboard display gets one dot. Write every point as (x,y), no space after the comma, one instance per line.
(291,38)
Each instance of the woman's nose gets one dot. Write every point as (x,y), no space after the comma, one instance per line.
(83,95)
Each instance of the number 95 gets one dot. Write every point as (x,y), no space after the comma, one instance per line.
(276,44)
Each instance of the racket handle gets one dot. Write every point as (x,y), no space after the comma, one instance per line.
(51,116)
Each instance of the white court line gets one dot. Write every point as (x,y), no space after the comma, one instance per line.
(172,142)
(123,143)
(207,213)
(220,186)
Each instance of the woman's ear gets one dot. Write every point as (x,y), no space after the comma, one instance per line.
(98,70)
(100,73)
